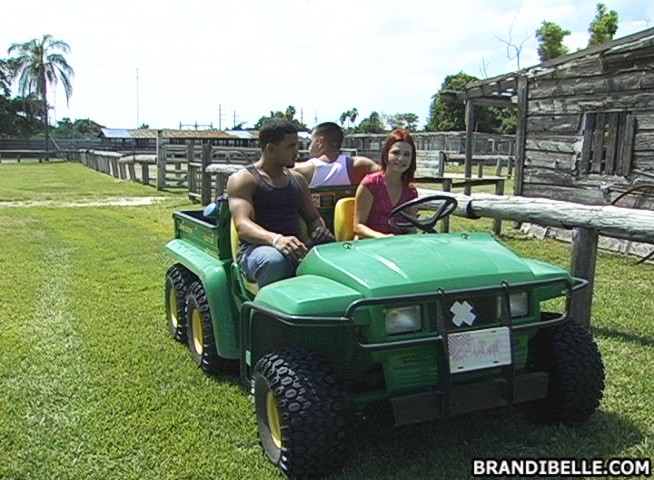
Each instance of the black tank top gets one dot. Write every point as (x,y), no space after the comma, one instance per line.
(277,208)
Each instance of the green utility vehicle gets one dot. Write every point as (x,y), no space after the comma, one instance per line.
(434,324)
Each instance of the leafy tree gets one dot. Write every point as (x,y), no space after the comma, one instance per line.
(603,27)
(372,124)
(550,41)
(402,120)
(144,126)
(80,128)
(446,116)
(507,117)
(64,129)
(20,117)
(87,128)
(289,114)
(39,64)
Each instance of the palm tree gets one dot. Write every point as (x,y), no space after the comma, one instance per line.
(38,64)
(344,116)
(353,116)
(5,77)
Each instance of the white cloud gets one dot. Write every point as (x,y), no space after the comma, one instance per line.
(198,57)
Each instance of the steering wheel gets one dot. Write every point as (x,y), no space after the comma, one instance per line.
(426,225)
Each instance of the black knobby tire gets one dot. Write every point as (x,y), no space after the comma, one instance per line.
(301,411)
(178,281)
(576,384)
(200,334)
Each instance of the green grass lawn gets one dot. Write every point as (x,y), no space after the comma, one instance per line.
(30,181)
(92,387)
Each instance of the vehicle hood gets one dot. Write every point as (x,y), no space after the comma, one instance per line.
(410,264)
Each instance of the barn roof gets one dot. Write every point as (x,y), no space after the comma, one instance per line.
(500,89)
(114,133)
(122,133)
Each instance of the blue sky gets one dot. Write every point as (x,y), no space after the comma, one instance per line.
(210,61)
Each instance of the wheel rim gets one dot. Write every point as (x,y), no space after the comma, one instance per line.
(172,302)
(196,321)
(273,416)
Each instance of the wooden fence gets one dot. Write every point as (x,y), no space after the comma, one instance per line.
(174,167)
(587,223)
(203,169)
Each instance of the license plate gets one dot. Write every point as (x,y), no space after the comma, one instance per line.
(480,349)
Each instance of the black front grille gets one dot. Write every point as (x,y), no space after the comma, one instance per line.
(470,312)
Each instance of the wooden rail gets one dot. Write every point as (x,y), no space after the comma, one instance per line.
(587,223)
(432,163)
(221,172)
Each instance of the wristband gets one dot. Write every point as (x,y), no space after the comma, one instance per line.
(276,239)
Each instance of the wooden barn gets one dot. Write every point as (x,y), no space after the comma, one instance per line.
(121,139)
(585,123)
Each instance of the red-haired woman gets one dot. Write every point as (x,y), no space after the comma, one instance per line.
(380,192)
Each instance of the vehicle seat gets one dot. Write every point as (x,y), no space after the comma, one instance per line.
(235,244)
(344,219)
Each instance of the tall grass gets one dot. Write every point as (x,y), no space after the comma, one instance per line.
(92,387)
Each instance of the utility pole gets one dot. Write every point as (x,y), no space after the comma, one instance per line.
(220,116)
(234,124)
(138,124)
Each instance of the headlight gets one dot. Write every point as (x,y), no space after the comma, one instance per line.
(519,305)
(403,319)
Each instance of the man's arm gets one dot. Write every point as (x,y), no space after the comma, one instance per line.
(306,168)
(362,166)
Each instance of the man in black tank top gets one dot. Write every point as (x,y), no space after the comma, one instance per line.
(266,200)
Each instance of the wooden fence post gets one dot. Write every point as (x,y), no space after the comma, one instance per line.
(442,158)
(205,186)
(131,168)
(145,173)
(497,221)
(192,171)
(447,187)
(115,172)
(584,259)
(470,122)
(498,167)
(161,162)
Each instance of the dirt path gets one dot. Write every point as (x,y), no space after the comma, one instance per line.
(117,202)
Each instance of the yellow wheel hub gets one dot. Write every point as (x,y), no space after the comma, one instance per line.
(196,321)
(274,423)
(172,301)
